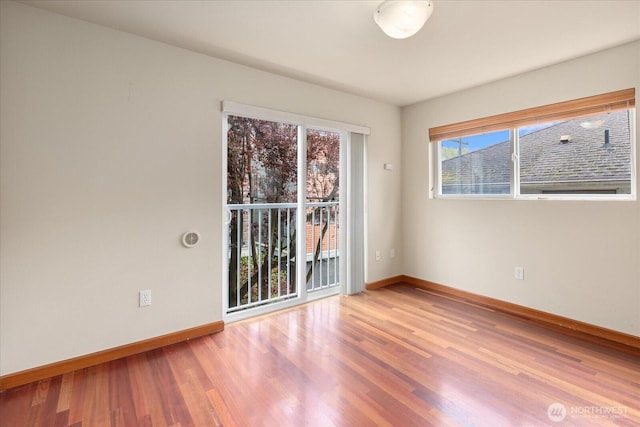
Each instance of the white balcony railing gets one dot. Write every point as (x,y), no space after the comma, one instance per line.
(263,251)
(322,245)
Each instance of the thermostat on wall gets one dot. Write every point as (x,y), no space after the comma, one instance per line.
(190,239)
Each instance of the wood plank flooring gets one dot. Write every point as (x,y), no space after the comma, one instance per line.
(397,356)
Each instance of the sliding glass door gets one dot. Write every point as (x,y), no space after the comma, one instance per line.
(283,207)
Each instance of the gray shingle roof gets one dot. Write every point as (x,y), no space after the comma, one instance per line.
(545,158)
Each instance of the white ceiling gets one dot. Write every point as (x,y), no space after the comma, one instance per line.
(337,44)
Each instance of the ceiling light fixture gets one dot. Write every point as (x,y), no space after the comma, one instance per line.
(400,19)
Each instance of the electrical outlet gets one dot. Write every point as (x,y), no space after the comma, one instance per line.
(145,298)
(377,255)
(519,273)
(392,253)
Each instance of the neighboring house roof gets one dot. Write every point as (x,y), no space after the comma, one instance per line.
(545,158)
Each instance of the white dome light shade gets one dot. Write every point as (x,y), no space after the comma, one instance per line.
(402,18)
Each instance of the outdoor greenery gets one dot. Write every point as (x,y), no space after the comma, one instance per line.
(262,168)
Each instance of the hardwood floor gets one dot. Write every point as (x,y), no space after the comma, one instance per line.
(397,356)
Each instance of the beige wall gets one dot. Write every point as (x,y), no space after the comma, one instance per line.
(581,259)
(110,149)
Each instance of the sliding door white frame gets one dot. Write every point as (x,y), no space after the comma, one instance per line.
(352,203)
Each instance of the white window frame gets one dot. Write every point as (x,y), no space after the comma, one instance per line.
(436,177)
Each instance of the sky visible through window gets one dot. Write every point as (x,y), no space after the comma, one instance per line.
(467,144)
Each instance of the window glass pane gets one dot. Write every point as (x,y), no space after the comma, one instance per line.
(476,164)
(323,209)
(586,155)
(262,164)
(323,165)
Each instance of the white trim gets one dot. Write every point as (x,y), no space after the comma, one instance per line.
(263,309)
(514,149)
(634,139)
(225,225)
(434,171)
(515,184)
(345,206)
(301,218)
(238,109)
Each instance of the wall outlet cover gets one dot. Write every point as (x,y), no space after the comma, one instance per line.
(145,298)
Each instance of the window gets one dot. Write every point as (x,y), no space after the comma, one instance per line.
(477,164)
(576,149)
(586,155)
